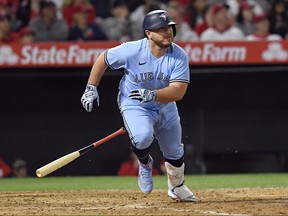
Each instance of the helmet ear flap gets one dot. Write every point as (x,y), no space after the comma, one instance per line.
(174,30)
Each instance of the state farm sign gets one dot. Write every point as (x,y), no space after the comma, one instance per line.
(71,54)
(51,54)
(211,52)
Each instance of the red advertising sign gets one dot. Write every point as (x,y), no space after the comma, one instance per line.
(71,54)
(51,54)
(262,52)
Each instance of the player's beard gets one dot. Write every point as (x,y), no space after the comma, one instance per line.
(163,44)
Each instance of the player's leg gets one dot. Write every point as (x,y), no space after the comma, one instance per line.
(169,135)
(139,125)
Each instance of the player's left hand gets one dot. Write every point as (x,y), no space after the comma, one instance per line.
(89,96)
(143,95)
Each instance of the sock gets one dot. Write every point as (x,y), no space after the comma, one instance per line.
(144,160)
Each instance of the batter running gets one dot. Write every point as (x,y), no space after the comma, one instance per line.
(156,74)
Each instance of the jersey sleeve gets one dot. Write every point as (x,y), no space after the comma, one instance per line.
(115,57)
(181,71)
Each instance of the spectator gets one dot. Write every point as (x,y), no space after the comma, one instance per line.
(234,6)
(67,11)
(20,168)
(81,29)
(221,30)
(69,7)
(184,32)
(26,36)
(58,5)
(134,4)
(137,16)
(262,26)
(116,27)
(5,169)
(195,12)
(207,22)
(27,10)
(91,12)
(278,18)
(245,18)
(162,167)
(130,167)
(47,26)
(6,34)
(3,6)
(102,8)
(10,8)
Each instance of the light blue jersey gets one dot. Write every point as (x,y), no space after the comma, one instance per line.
(144,71)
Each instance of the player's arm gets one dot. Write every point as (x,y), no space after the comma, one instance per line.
(97,70)
(90,94)
(174,92)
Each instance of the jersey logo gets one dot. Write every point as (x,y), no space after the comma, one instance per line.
(142,63)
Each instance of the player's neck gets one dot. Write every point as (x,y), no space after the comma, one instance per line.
(156,50)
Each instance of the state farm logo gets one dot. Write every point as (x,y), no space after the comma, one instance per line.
(7,56)
(214,53)
(48,55)
(274,52)
(211,52)
(72,54)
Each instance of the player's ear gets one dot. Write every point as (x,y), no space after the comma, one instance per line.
(147,33)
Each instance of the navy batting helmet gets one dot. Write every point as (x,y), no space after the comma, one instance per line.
(157,19)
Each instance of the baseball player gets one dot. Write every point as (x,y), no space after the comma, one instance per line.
(156,74)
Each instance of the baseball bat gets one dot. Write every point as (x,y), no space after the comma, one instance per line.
(62,161)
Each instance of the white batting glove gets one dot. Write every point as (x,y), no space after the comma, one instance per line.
(90,94)
(143,95)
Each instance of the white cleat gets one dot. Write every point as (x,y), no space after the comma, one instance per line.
(182,193)
(145,179)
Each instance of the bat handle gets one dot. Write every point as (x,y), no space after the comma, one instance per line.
(111,136)
(100,142)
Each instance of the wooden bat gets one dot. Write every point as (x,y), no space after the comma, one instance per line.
(60,162)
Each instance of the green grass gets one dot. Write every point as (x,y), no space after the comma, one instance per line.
(130,183)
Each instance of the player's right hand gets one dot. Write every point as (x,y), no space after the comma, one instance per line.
(90,94)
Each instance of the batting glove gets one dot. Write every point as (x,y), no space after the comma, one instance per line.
(143,95)
(89,96)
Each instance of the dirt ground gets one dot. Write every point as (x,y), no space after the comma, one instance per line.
(238,202)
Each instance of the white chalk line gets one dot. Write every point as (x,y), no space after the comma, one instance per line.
(220,213)
(143,206)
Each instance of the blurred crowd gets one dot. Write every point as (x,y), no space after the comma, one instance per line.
(28,21)
(18,169)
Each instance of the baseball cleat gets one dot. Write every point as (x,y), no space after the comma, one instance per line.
(182,193)
(145,179)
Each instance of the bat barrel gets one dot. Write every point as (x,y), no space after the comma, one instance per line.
(56,164)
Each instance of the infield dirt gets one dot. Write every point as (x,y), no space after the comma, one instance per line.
(236,202)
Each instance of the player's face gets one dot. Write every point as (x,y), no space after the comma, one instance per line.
(162,37)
